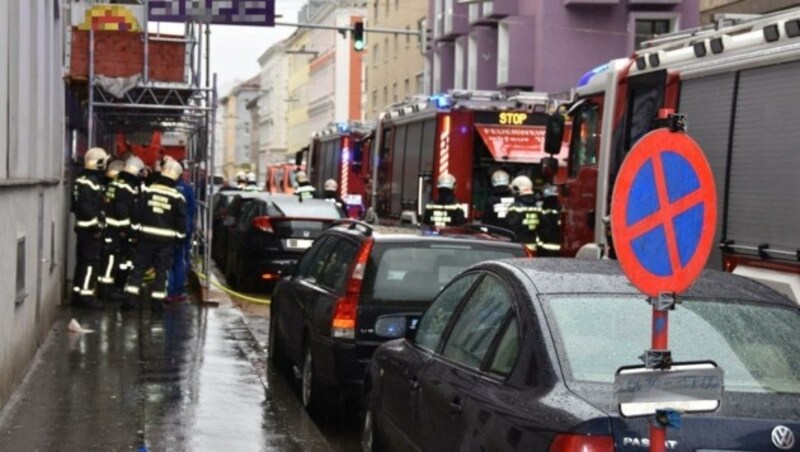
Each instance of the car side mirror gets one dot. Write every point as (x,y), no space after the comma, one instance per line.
(554,134)
(395,326)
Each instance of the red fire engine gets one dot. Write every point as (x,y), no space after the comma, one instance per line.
(469,134)
(341,152)
(737,85)
(279,177)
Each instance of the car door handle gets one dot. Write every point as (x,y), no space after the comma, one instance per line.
(455,406)
(414,381)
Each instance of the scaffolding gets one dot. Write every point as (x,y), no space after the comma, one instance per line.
(147,105)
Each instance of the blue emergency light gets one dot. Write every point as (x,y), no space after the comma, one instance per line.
(440,100)
(589,75)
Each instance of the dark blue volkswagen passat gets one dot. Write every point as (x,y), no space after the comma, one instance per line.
(522,354)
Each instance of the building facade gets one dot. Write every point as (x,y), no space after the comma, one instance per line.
(708,8)
(297,86)
(334,85)
(235,126)
(394,66)
(273,106)
(542,45)
(33,193)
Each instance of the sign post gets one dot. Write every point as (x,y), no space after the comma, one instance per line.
(663,216)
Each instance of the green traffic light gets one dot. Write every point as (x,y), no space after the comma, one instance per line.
(358,45)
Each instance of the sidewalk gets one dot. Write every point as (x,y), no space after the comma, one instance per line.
(190,378)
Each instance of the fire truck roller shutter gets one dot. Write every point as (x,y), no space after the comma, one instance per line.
(764,207)
(707,102)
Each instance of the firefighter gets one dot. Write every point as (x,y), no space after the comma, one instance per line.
(523,215)
(498,202)
(87,205)
(548,232)
(119,199)
(250,182)
(304,188)
(241,180)
(176,289)
(160,221)
(445,210)
(331,194)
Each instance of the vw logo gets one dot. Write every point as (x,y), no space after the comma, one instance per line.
(782,437)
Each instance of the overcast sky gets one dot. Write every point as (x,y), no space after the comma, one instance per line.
(235,50)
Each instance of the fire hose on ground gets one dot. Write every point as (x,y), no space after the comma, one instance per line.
(229,291)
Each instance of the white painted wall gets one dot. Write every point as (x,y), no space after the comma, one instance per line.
(274,105)
(32,195)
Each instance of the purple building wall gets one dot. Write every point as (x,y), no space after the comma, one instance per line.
(546,45)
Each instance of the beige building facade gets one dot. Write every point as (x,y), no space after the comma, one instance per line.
(297,85)
(394,65)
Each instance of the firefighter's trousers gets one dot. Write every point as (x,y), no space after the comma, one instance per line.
(155,254)
(88,250)
(180,266)
(116,260)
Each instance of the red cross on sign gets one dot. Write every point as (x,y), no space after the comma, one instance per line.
(664,212)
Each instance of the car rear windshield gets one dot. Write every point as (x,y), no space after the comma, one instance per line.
(755,344)
(297,209)
(417,271)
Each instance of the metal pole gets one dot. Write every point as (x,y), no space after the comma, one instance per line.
(660,327)
(90,122)
(146,43)
(209,186)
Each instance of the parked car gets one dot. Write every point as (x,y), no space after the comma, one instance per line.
(269,236)
(236,208)
(322,318)
(522,355)
(219,210)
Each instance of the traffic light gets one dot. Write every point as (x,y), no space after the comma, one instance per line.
(358,36)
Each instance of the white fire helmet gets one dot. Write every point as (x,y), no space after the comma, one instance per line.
(331,185)
(500,178)
(251,177)
(446,180)
(171,169)
(95,159)
(522,184)
(114,168)
(134,165)
(302,177)
(240,176)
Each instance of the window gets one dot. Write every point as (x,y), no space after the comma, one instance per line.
(386,46)
(396,4)
(507,350)
(433,322)
(478,323)
(385,95)
(374,99)
(335,275)
(396,46)
(20,293)
(387,7)
(375,10)
(375,55)
(408,37)
(394,92)
(585,138)
(314,260)
(648,29)
(407,86)
(756,344)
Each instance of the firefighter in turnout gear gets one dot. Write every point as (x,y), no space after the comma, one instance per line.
(304,189)
(445,210)
(241,180)
(87,205)
(121,196)
(548,233)
(251,183)
(160,222)
(498,202)
(524,215)
(105,278)
(331,194)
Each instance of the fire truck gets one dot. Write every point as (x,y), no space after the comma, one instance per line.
(469,134)
(279,177)
(737,85)
(341,152)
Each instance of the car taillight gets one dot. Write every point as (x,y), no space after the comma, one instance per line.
(263,224)
(568,442)
(344,314)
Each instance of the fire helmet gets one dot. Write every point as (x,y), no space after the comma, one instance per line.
(171,169)
(95,159)
(331,185)
(240,176)
(446,180)
(251,177)
(500,178)
(114,168)
(523,184)
(302,177)
(134,165)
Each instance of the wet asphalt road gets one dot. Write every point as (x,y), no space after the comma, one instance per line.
(190,378)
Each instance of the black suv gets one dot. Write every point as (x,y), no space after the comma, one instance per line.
(322,318)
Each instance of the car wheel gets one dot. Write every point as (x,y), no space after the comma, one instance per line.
(311,393)
(276,353)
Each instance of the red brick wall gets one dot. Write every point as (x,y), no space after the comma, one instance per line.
(121,54)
